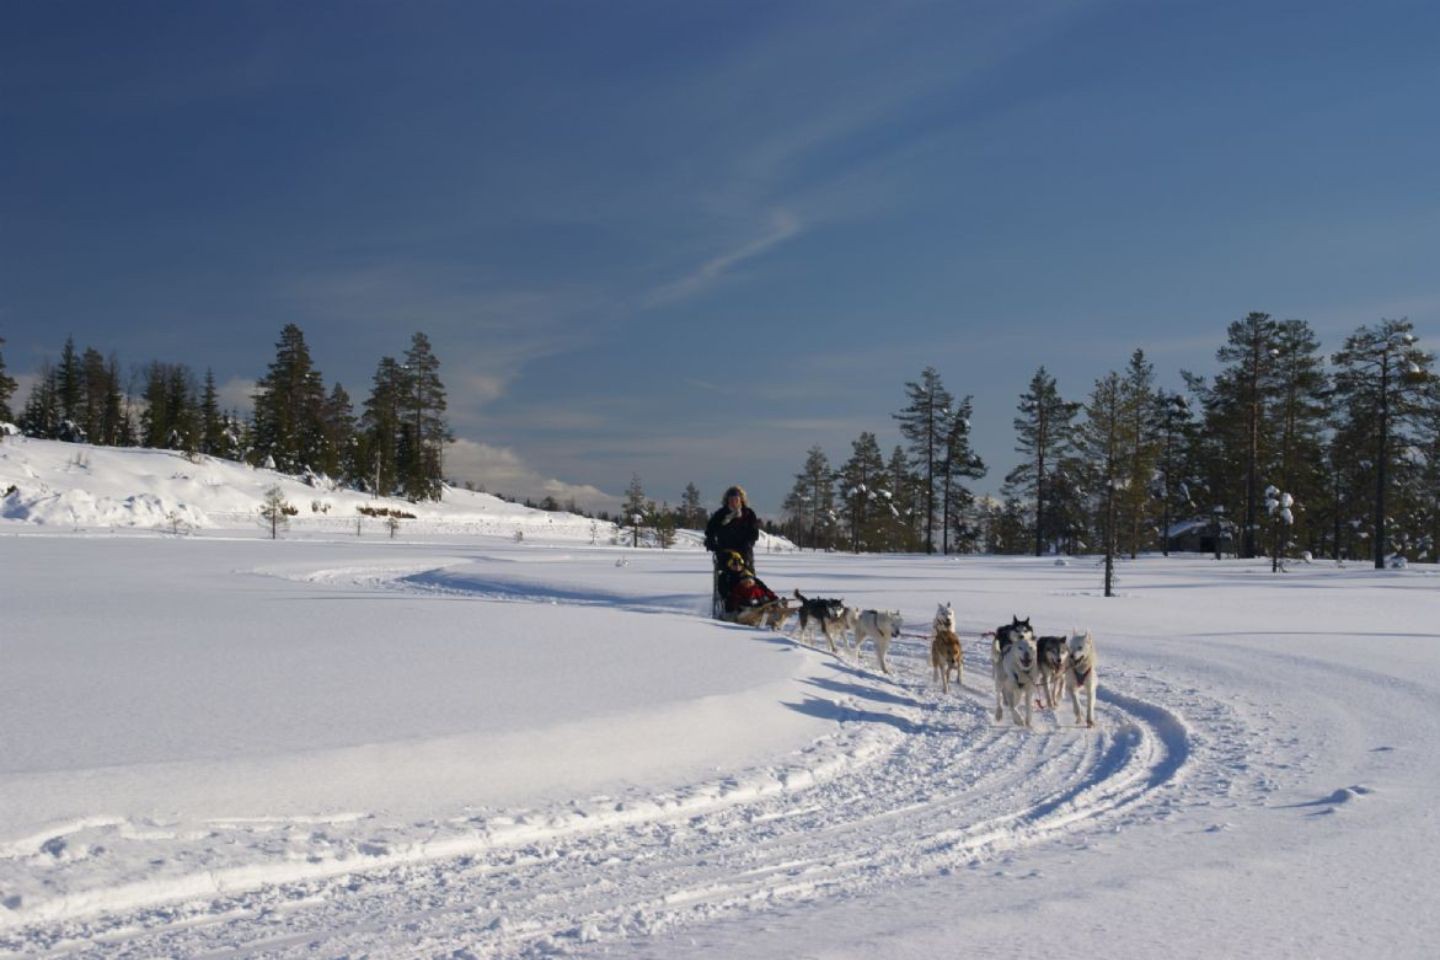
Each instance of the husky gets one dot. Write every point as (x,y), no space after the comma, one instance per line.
(1080,674)
(945,651)
(1015,670)
(827,614)
(777,613)
(1008,634)
(1051,653)
(883,625)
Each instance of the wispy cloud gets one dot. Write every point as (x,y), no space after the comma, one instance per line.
(783,226)
(495,331)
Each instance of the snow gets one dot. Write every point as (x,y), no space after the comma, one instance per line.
(454,744)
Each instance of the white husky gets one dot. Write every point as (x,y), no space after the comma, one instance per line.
(1015,670)
(883,625)
(1081,674)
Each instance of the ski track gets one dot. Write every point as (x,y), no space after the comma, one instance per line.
(912,783)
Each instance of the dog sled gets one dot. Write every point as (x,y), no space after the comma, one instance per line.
(738,596)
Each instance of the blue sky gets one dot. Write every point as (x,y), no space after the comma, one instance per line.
(688,241)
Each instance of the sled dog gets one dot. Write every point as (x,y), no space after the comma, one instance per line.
(883,625)
(945,651)
(1008,634)
(777,613)
(827,614)
(1080,674)
(1015,679)
(1051,654)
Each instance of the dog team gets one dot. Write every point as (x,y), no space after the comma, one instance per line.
(1025,667)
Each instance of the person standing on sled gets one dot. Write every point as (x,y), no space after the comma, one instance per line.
(733,527)
(732,530)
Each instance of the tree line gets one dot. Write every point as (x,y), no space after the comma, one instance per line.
(1353,444)
(393,446)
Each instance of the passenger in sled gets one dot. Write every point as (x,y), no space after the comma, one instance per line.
(741,596)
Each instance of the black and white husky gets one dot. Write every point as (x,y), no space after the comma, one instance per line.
(1008,634)
(827,614)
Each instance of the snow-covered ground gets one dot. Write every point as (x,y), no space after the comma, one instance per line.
(465,746)
(76,486)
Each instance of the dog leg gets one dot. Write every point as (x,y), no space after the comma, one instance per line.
(1070,686)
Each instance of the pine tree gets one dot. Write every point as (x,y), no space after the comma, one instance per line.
(1102,448)
(1241,394)
(41,416)
(70,384)
(337,420)
(422,409)
(7,388)
(923,424)
(636,508)
(1137,397)
(958,462)
(1043,434)
(864,499)
(905,512)
(1381,380)
(212,425)
(692,508)
(1300,410)
(811,501)
(275,511)
(288,401)
(380,426)
(1176,432)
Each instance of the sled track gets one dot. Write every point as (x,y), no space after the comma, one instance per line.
(912,783)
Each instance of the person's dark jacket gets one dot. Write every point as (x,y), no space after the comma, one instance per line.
(733,532)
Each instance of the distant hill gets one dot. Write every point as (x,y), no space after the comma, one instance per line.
(79,486)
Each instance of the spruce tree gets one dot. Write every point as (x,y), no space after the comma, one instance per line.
(692,508)
(1381,380)
(923,423)
(1176,432)
(380,427)
(1242,394)
(1043,433)
(1142,451)
(812,499)
(1300,410)
(41,416)
(70,384)
(212,424)
(1102,449)
(864,508)
(7,388)
(288,401)
(905,500)
(636,508)
(958,463)
(422,407)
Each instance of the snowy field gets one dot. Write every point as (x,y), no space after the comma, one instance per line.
(223,746)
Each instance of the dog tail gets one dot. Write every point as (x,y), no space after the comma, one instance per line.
(799,596)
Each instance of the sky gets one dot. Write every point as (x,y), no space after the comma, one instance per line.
(687,241)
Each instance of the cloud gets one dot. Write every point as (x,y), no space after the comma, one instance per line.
(496,331)
(237,394)
(783,226)
(500,470)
